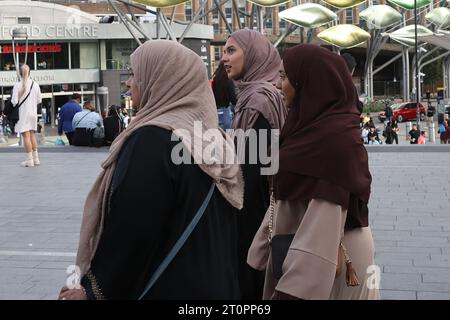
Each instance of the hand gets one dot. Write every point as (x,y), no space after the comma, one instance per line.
(72,294)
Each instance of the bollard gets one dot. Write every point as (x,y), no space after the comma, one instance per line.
(408,129)
(431,133)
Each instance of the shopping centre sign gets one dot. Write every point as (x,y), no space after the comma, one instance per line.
(53,48)
(48,77)
(53,32)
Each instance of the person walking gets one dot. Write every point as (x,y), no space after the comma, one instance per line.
(322,187)
(144,199)
(27,92)
(253,63)
(66,114)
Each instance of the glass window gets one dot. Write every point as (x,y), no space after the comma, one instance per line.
(75,55)
(228,15)
(52,55)
(217,53)
(118,53)
(282,22)
(7,61)
(88,55)
(84,55)
(349,15)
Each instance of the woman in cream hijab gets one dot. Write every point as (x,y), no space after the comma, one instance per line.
(144,198)
(28,93)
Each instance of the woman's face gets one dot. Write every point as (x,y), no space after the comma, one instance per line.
(286,87)
(233,59)
(133,89)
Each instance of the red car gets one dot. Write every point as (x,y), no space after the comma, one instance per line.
(404,112)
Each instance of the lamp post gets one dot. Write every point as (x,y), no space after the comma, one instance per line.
(416,75)
(19,33)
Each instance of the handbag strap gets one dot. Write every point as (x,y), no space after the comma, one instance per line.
(82,119)
(31,88)
(180,242)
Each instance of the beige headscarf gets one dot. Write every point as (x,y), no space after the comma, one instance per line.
(257,92)
(175,92)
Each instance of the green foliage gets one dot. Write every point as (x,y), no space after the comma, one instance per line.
(376,105)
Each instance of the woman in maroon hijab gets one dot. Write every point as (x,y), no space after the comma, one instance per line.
(323,183)
(253,63)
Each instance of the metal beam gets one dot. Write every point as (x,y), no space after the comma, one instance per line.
(289,30)
(166,26)
(223,16)
(119,14)
(427,63)
(194,20)
(236,11)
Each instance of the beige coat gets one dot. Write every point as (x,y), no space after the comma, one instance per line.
(309,270)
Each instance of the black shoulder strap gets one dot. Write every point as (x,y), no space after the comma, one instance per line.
(82,119)
(21,103)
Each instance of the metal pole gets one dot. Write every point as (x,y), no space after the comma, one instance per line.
(405,64)
(288,31)
(416,49)
(384,65)
(223,16)
(195,19)
(446,77)
(124,22)
(166,26)
(259,19)
(236,11)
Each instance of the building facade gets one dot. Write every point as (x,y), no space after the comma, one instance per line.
(69,51)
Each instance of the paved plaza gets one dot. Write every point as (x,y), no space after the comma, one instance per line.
(40,216)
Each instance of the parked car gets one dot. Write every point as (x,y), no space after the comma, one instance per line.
(404,112)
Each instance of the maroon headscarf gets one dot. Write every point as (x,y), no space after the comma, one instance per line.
(257,93)
(321,152)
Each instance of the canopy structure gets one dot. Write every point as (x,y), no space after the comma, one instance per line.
(441,38)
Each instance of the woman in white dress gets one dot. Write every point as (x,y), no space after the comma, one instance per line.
(27,124)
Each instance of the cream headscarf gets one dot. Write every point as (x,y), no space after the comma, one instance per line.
(175,92)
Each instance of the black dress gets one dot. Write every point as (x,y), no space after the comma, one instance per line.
(113,127)
(152,202)
(256,202)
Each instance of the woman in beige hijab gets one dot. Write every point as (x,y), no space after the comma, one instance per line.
(148,191)
(253,63)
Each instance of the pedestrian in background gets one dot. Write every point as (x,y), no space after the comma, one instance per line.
(84,122)
(225,96)
(422,138)
(444,132)
(113,124)
(413,134)
(27,92)
(66,114)
(351,65)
